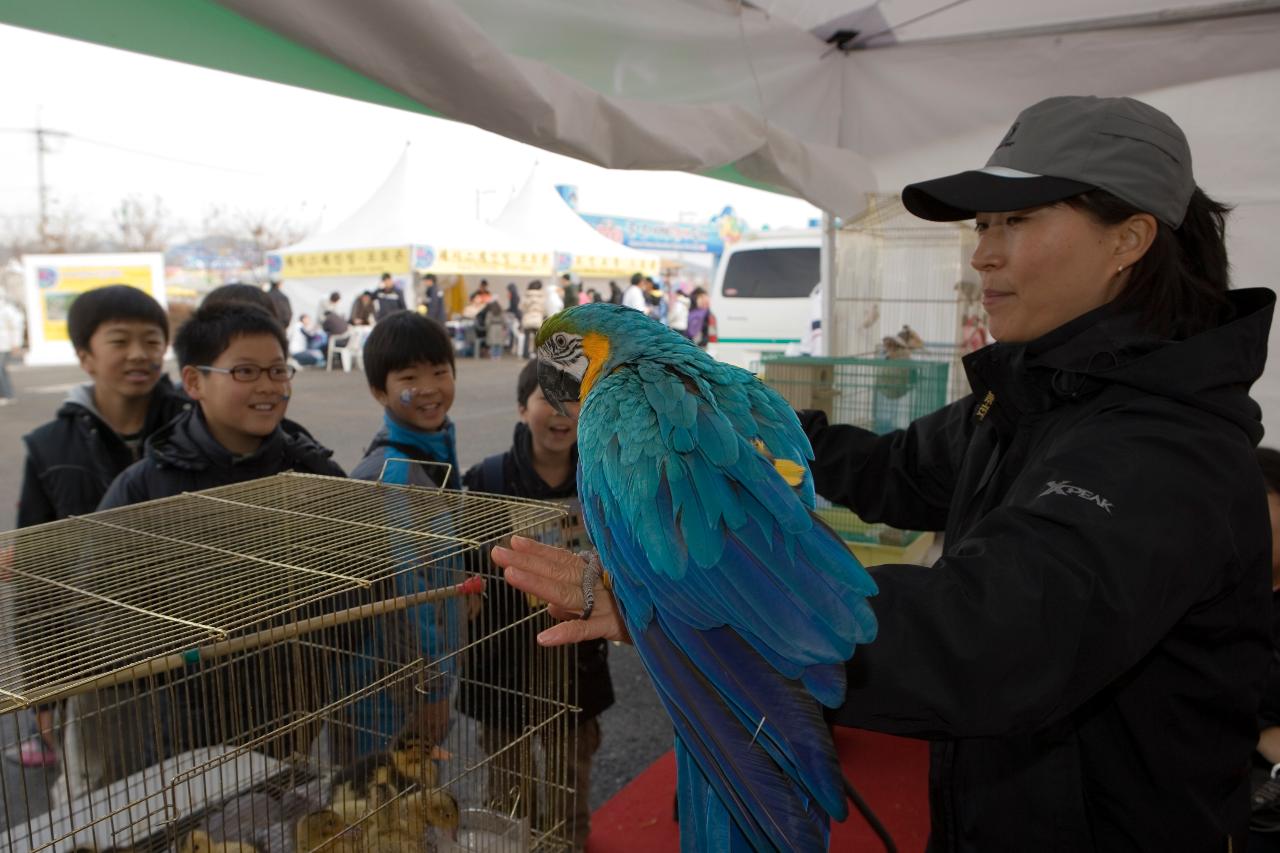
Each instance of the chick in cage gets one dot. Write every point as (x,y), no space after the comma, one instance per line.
(212,651)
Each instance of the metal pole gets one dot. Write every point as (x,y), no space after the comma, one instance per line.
(40,185)
(827,257)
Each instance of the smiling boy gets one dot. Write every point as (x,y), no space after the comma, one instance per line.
(120,335)
(232,357)
(542,463)
(408,362)
(233,364)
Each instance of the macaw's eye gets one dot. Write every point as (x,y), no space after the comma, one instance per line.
(559,339)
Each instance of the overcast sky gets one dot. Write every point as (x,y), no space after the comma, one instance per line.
(197,137)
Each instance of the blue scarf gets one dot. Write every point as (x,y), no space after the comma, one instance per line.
(440,446)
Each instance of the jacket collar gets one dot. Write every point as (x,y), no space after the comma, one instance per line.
(1212,370)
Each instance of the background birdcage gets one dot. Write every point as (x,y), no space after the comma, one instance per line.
(876,394)
(273,666)
(894,270)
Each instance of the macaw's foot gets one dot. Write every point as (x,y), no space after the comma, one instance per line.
(591,573)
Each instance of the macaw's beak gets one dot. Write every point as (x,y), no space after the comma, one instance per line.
(558,386)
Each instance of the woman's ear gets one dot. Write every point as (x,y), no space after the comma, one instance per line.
(1135,236)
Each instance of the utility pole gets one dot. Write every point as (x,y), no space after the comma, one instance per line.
(42,136)
(43,228)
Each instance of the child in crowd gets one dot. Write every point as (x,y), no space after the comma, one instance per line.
(120,335)
(233,362)
(542,463)
(408,362)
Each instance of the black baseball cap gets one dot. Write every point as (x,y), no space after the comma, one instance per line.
(1062,147)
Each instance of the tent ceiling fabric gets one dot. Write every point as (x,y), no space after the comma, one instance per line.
(745,92)
(889,22)
(437,54)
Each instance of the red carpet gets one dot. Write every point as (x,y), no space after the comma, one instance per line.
(891,773)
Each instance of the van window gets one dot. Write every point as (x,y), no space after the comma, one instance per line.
(772,273)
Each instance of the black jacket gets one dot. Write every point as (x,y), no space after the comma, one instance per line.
(184,457)
(72,460)
(488,693)
(387,302)
(1087,654)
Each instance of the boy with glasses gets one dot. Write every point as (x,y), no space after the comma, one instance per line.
(234,366)
(233,363)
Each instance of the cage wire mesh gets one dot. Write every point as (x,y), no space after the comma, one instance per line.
(906,309)
(894,270)
(273,666)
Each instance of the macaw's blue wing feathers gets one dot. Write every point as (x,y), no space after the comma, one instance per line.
(744,607)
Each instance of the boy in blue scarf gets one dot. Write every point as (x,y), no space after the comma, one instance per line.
(408,362)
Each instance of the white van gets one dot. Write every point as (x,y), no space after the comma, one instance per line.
(761,296)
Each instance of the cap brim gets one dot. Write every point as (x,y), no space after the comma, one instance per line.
(963,195)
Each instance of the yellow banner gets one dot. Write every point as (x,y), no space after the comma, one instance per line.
(344,262)
(603,266)
(489,262)
(59,286)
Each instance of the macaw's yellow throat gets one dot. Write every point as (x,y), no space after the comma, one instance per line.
(595,347)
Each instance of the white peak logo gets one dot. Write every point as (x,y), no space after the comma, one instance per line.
(1064,487)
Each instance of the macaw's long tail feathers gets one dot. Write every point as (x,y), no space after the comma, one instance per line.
(778,712)
(740,763)
(705,823)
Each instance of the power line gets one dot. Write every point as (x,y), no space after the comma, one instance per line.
(156,156)
(128,149)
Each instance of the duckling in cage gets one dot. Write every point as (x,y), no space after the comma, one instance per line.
(271,666)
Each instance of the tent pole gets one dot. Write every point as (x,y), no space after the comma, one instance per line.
(828,281)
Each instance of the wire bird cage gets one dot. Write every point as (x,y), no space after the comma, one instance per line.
(271,666)
(895,270)
(877,394)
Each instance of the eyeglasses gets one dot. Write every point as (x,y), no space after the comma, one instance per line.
(251,372)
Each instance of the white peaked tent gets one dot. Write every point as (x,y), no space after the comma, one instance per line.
(540,215)
(402,229)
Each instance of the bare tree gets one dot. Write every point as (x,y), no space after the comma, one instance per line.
(261,231)
(268,231)
(141,227)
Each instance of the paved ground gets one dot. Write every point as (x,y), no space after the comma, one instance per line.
(338,410)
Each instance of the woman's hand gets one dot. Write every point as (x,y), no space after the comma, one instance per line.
(555,576)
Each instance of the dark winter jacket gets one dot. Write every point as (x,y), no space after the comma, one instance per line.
(184,457)
(72,460)
(495,682)
(1088,652)
(387,302)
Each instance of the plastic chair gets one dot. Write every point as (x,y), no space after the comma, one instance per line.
(351,351)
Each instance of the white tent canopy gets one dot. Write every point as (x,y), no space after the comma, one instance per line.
(540,215)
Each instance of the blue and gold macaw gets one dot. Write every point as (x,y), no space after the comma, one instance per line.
(743,606)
